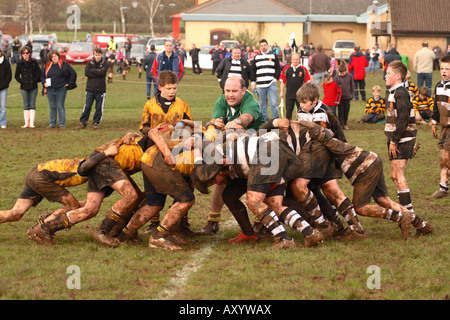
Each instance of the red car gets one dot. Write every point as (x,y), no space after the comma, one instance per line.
(61,49)
(80,53)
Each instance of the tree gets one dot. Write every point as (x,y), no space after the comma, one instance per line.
(150,8)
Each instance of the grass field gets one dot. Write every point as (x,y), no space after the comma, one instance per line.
(211,269)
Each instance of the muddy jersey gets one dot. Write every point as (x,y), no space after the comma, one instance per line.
(154,113)
(400,119)
(441,112)
(129,156)
(63,171)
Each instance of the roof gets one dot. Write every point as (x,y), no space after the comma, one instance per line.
(420,17)
(334,7)
(243,10)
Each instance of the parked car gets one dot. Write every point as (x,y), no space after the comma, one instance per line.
(342,49)
(159,44)
(37,47)
(61,48)
(42,39)
(138,51)
(80,53)
(229,44)
(204,58)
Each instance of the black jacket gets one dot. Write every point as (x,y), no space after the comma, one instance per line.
(28,74)
(224,69)
(96,75)
(6,74)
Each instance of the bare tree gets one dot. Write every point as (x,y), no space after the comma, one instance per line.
(150,8)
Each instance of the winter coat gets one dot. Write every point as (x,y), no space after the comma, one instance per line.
(28,74)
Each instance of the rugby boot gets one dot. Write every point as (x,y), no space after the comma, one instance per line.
(439,194)
(350,235)
(106,239)
(283,243)
(134,240)
(152,227)
(405,224)
(313,239)
(261,231)
(41,235)
(416,148)
(162,242)
(429,228)
(326,229)
(178,238)
(241,238)
(210,227)
(186,228)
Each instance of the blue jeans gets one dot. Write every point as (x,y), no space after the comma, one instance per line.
(56,99)
(149,86)
(29,99)
(272,93)
(3,96)
(360,86)
(426,78)
(318,77)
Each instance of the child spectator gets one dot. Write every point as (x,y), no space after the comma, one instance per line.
(412,88)
(333,65)
(375,107)
(423,106)
(345,81)
(331,92)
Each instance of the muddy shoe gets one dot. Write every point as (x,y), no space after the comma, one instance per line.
(282,243)
(241,238)
(81,126)
(429,228)
(162,243)
(106,239)
(41,235)
(405,224)
(210,228)
(261,231)
(439,194)
(152,227)
(326,229)
(416,148)
(179,239)
(313,239)
(350,235)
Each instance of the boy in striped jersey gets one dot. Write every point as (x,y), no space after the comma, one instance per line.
(423,106)
(441,114)
(375,107)
(400,129)
(265,71)
(364,170)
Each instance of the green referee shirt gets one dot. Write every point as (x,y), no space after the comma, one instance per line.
(248,105)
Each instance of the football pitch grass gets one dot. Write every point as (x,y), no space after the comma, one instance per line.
(381,267)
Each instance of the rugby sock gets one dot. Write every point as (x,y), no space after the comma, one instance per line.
(404,197)
(59,223)
(392,215)
(109,222)
(214,216)
(443,187)
(293,219)
(347,211)
(270,220)
(241,216)
(160,232)
(417,222)
(312,208)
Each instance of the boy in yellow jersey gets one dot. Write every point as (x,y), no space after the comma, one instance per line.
(49,180)
(423,106)
(108,175)
(167,108)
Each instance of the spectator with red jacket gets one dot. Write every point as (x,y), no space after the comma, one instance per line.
(357,64)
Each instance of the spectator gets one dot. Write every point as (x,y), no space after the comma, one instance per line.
(95,72)
(265,71)
(43,54)
(287,51)
(28,74)
(194,56)
(292,77)
(167,60)
(216,56)
(320,64)
(357,64)
(112,44)
(57,78)
(345,81)
(182,53)
(88,37)
(423,64)
(128,45)
(5,79)
(438,54)
(332,94)
(148,63)
(391,55)
(16,46)
(375,55)
(234,65)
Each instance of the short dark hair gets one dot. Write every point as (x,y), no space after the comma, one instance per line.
(98,50)
(308,92)
(423,91)
(445,59)
(263,40)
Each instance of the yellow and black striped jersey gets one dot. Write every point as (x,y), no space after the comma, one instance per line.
(129,156)
(423,105)
(64,171)
(412,88)
(375,106)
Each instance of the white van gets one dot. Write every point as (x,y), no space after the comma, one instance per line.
(342,49)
